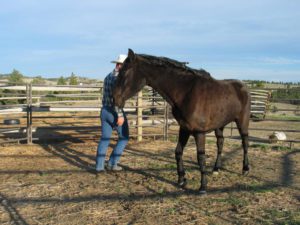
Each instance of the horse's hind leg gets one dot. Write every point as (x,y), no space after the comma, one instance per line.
(220,142)
(200,143)
(183,138)
(242,126)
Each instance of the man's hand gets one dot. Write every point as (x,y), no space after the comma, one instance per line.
(120,120)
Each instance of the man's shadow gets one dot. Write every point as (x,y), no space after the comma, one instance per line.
(14,215)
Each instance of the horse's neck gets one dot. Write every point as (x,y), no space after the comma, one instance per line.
(168,86)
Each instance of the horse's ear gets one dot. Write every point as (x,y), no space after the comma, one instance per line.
(131,54)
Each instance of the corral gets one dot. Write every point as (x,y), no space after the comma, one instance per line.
(52,181)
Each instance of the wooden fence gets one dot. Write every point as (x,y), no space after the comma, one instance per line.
(260,102)
(148,115)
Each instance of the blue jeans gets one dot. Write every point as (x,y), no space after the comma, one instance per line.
(108,124)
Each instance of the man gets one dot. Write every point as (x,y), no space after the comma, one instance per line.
(112,118)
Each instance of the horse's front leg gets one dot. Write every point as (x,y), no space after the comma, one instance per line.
(220,142)
(183,138)
(200,143)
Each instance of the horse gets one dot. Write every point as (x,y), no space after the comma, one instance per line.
(200,104)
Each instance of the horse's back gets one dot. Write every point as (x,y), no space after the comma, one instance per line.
(223,87)
(217,102)
(241,90)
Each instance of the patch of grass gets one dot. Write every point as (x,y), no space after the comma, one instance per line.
(211,222)
(257,117)
(281,148)
(235,145)
(170,166)
(280,217)
(260,188)
(162,166)
(210,141)
(283,117)
(217,200)
(173,138)
(161,191)
(262,147)
(194,182)
(232,200)
(237,201)
(171,210)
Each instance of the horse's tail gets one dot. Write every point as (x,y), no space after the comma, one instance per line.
(245,100)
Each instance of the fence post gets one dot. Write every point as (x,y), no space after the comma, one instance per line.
(166,127)
(29,113)
(153,109)
(139,121)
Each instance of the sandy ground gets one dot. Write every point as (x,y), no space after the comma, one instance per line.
(54,183)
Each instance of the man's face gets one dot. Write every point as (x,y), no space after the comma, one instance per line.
(118,66)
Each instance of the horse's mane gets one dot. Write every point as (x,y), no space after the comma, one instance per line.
(166,62)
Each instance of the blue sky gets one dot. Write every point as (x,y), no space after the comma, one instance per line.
(229,38)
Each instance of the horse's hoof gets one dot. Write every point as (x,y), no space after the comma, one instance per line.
(202,192)
(245,172)
(183,183)
(216,172)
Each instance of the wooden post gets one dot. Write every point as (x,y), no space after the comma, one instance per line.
(153,109)
(38,100)
(139,121)
(30,101)
(166,127)
(29,113)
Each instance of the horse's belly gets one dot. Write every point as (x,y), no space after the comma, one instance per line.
(209,123)
(203,121)
(199,125)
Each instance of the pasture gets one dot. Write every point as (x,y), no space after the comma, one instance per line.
(54,183)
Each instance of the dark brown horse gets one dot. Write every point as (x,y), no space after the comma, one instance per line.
(200,104)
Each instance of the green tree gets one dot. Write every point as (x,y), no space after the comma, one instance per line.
(15,77)
(73,79)
(38,80)
(260,84)
(61,81)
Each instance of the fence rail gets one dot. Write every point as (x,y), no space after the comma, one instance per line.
(145,111)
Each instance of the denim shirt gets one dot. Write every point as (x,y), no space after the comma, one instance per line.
(107,100)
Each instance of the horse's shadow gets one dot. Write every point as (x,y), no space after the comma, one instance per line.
(86,162)
(286,178)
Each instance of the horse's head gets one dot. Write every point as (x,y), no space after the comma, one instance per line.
(129,81)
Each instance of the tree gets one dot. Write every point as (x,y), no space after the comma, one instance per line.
(73,79)
(61,81)
(15,77)
(259,84)
(38,80)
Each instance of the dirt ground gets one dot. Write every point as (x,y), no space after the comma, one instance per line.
(55,184)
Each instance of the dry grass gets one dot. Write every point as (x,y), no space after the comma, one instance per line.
(54,184)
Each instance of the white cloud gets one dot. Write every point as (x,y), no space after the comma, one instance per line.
(281,61)
(257,74)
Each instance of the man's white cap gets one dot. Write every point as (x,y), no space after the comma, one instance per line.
(121,58)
